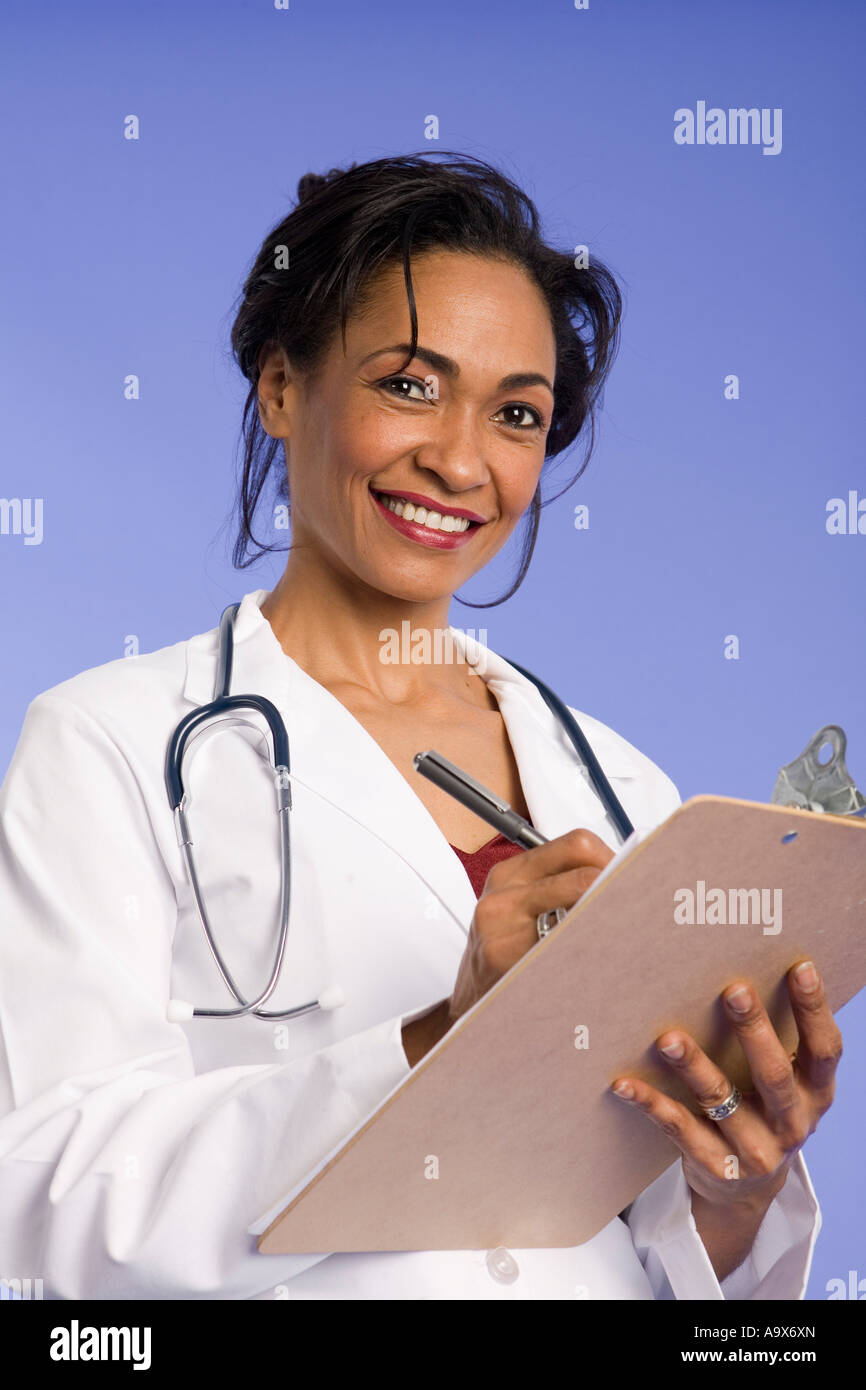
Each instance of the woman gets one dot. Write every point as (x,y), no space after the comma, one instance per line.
(417,402)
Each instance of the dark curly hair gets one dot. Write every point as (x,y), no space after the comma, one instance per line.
(316,266)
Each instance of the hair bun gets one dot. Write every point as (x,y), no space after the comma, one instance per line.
(311,184)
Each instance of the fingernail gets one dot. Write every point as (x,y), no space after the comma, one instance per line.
(807,977)
(739,999)
(673,1050)
(622,1088)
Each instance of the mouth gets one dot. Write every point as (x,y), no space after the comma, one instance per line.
(429,525)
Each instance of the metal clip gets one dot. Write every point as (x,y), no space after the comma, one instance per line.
(283,784)
(815,786)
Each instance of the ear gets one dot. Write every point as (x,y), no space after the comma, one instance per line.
(275,391)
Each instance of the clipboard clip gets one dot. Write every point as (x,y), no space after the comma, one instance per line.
(825,786)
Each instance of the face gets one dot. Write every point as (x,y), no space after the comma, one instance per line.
(457,436)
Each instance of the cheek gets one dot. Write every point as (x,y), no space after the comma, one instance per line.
(516,488)
(363,440)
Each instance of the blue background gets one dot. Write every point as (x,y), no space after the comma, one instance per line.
(707,516)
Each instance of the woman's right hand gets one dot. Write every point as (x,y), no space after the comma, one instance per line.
(504,924)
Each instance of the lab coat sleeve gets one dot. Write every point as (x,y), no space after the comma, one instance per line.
(123,1174)
(666,1239)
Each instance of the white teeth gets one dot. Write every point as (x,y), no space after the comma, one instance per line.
(434,521)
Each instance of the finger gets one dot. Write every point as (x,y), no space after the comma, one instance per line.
(510,915)
(499,934)
(771,1067)
(694,1135)
(710,1087)
(559,890)
(820,1041)
(577,849)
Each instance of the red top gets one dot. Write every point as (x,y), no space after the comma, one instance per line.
(479,864)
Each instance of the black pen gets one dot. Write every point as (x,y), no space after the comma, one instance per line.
(479,799)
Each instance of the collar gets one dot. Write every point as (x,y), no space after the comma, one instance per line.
(509,686)
(336,758)
(261,667)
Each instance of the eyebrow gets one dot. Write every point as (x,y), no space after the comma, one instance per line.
(448,367)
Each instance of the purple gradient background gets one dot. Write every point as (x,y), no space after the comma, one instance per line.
(707,516)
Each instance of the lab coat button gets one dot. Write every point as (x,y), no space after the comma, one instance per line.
(502,1266)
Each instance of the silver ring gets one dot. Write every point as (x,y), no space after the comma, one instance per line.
(727,1107)
(544,926)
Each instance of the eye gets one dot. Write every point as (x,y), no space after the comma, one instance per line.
(404,385)
(408,381)
(536,424)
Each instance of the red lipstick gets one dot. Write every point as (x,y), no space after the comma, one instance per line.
(424,535)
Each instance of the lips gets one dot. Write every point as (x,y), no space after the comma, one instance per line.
(430,503)
(431,537)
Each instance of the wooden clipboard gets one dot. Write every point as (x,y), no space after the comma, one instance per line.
(506,1132)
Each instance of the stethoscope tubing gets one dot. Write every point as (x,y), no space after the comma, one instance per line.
(602,786)
(224,704)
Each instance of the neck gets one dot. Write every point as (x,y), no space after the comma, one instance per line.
(336,629)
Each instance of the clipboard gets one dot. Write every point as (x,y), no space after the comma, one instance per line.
(506,1133)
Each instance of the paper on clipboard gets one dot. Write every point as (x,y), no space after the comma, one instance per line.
(532,1148)
(257,1227)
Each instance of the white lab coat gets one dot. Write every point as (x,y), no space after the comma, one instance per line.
(136,1154)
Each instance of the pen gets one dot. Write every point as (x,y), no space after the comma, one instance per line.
(478,798)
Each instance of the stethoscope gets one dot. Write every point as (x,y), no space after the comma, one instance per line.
(225,705)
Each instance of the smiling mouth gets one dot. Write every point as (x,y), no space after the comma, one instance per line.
(425,516)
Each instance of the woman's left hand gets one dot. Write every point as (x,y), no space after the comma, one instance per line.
(745,1158)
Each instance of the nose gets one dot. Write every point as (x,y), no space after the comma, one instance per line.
(457,452)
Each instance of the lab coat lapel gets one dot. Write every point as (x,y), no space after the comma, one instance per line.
(557,787)
(333,753)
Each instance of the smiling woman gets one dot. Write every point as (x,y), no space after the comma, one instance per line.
(353,245)
(452,448)
(416,355)
(419,355)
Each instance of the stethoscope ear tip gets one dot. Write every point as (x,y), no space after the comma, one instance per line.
(332,998)
(179,1011)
